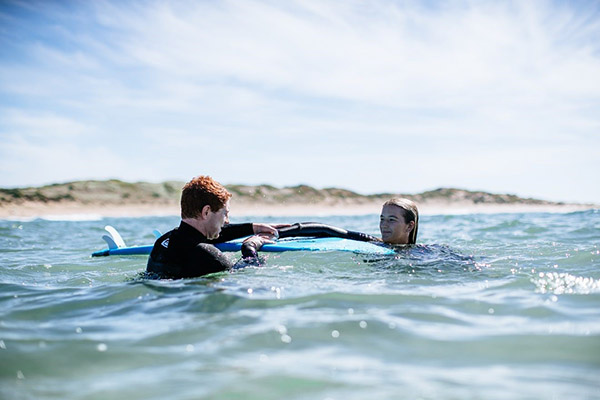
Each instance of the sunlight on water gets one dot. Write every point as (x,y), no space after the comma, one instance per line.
(561,283)
(487,307)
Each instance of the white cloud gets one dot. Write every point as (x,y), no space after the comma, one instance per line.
(329,49)
(455,88)
(39,127)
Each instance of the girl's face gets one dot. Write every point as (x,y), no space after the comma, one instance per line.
(394,229)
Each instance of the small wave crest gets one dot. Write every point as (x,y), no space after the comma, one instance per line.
(73,217)
(56,218)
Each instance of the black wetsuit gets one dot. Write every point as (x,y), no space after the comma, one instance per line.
(315,229)
(184,252)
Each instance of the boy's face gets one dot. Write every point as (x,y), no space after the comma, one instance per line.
(216,220)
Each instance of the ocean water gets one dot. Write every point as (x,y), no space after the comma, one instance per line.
(490,307)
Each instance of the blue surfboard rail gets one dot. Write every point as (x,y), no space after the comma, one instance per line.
(124,251)
(145,250)
(291,244)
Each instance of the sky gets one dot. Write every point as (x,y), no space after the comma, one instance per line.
(375,96)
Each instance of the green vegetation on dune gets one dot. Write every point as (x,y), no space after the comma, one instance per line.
(108,192)
(116,192)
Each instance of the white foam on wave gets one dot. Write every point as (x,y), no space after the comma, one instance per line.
(56,217)
(72,217)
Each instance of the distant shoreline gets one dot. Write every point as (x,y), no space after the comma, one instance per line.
(114,198)
(40,210)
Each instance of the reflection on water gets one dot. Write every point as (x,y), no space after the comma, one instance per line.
(487,306)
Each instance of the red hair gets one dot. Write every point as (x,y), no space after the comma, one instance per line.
(200,192)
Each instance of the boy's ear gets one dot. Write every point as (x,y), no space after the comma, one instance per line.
(205,211)
(410,226)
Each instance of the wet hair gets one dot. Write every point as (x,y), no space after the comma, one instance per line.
(200,192)
(410,212)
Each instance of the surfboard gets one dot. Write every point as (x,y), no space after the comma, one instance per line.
(313,244)
(118,247)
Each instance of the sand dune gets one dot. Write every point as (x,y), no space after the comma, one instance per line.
(120,199)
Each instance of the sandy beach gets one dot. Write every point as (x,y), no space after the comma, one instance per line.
(31,210)
(114,198)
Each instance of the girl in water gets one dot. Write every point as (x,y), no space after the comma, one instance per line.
(398,224)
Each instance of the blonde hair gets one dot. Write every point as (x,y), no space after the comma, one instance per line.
(410,212)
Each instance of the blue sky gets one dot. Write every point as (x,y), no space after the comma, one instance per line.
(373,96)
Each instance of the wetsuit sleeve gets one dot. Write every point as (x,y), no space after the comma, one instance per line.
(314,229)
(234,231)
(209,259)
(249,256)
(176,256)
(250,250)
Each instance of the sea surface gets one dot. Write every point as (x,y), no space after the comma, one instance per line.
(501,306)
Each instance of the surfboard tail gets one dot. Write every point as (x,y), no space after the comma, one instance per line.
(117,246)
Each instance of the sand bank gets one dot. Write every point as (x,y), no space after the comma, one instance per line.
(41,210)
